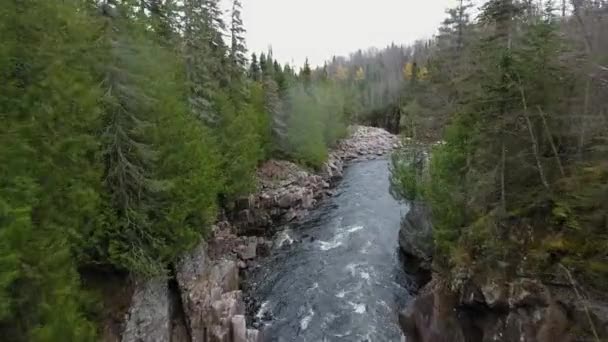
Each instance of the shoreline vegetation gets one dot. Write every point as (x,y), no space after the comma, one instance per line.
(513,219)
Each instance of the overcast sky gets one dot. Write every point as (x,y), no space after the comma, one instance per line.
(319,29)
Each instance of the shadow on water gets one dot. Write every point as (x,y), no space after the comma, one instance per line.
(343,278)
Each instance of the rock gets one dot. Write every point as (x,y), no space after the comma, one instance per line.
(290,215)
(194,264)
(179,332)
(471,295)
(416,234)
(495,294)
(555,325)
(308,200)
(225,273)
(431,317)
(264,247)
(248,251)
(239,329)
(527,292)
(253,335)
(212,302)
(289,200)
(522,310)
(149,317)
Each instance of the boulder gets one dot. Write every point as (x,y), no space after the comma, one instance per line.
(308,199)
(210,296)
(416,235)
(253,335)
(225,273)
(431,317)
(149,317)
(495,294)
(239,329)
(289,199)
(527,293)
(248,250)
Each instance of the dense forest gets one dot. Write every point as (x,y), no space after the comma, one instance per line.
(129,125)
(518,186)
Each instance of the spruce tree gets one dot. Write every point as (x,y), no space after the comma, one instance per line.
(254,68)
(49,169)
(237,47)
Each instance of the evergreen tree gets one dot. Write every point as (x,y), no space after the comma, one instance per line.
(237,48)
(263,64)
(254,68)
(201,62)
(48,167)
(306,74)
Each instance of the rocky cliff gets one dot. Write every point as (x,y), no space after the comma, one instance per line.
(493,305)
(513,310)
(202,301)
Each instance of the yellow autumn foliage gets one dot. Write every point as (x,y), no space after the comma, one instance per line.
(408,72)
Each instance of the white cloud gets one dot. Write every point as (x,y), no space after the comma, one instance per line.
(319,29)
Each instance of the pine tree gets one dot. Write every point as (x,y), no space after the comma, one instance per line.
(263,65)
(198,57)
(144,176)
(306,74)
(277,114)
(237,48)
(48,167)
(254,69)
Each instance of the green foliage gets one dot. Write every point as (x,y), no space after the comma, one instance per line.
(519,180)
(49,174)
(262,121)
(331,101)
(115,147)
(407,173)
(305,129)
(240,146)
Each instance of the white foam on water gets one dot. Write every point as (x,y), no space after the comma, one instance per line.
(341,294)
(354,229)
(306,320)
(359,308)
(325,246)
(364,275)
(351,268)
(263,309)
(338,239)
(282,238)
(343,335)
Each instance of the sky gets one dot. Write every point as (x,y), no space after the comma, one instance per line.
(320,29)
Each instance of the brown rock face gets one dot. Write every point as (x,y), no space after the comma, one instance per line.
(431,317)
(522,310)
(149,317)
(212,301)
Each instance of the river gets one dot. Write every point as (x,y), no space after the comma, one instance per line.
(342,279)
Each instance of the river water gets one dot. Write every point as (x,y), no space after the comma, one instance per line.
(342,278)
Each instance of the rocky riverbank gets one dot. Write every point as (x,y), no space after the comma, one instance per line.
(287,191)
(203,300)
(492,306)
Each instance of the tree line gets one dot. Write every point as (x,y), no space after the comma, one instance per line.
(127,125)
(519,182)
